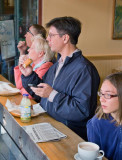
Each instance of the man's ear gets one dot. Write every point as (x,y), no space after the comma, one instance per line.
(66,38)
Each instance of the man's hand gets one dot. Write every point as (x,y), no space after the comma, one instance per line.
(25,71)
(44,91)
(22,47)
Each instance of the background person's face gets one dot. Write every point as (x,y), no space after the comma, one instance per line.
(29,36)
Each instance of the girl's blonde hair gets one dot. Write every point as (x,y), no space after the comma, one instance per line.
(116,80)
(42,45)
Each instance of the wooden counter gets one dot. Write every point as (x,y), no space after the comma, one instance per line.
(65,149)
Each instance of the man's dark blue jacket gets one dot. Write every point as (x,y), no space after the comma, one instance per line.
(77,85)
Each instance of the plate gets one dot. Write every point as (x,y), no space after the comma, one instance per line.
(6,93)
(77,157)
(16,113)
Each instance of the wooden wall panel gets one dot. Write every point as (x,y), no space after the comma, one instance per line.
(105,64)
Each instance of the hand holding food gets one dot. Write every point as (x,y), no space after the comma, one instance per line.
(24,66)
(27,62)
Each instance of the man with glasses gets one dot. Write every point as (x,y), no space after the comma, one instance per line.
(69,89)
(31,31)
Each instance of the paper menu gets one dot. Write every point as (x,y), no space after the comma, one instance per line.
(43,132)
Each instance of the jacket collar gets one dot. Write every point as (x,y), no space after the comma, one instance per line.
(71,57)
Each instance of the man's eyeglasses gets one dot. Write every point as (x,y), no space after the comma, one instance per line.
(107,96)
(51,35)
(29,32)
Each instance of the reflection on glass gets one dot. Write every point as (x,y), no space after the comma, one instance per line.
(24,13)
(8,149)
(28,11)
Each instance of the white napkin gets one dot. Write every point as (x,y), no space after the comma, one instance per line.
(9,89)
(2,82)
(38,109)
(12,106)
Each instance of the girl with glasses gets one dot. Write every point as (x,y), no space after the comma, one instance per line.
(105,128)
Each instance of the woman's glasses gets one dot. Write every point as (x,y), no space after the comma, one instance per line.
(107,96)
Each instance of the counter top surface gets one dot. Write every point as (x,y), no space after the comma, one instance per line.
(66,148)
